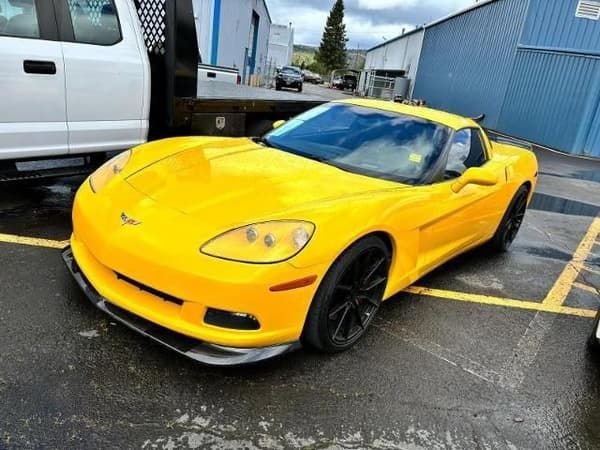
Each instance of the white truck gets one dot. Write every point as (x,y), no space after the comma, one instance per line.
(86,77)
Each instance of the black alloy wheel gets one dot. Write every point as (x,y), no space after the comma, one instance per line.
(512,221)
(348,297)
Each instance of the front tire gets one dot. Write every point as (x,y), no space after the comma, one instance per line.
(348,297)
(511,222)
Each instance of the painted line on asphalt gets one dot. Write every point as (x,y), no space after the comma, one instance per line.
(590,270)
(586,288)
(525,353)
(562,287)
(32,242)
(434,349)
(500,301)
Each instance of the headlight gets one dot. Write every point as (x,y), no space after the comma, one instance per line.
(108,170)
(261,243)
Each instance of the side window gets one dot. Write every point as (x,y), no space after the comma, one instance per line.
(95,21)
(18,18)
(466,151)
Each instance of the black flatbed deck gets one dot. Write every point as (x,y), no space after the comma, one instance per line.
(225,109)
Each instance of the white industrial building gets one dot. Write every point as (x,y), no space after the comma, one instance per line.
(234,33)
(398,57)
(281,46)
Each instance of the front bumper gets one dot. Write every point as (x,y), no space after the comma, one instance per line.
(203,352)
(290,83)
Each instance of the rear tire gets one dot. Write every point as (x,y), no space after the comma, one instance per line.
(277,87)
(348,297)
(300,88)
(511,222)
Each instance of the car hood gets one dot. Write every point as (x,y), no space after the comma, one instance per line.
(237,180)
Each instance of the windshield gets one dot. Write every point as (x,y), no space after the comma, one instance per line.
(366,141)
(290,71)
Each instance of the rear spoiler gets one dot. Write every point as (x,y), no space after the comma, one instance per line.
(500,138)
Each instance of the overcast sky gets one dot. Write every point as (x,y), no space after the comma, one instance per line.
(367,21)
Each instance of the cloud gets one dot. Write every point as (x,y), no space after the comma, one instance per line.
(407,4)
(367,21)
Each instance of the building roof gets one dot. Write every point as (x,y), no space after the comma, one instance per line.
(435,22)
(397,38)
(268,12)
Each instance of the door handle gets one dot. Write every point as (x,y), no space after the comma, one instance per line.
(39,67)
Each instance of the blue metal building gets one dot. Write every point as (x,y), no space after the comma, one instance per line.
(532,66)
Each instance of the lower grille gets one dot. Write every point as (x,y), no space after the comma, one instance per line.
(142,287)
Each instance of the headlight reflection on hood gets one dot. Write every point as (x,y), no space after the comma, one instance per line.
(109,170)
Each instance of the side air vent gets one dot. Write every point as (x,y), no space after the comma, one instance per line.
(587,9)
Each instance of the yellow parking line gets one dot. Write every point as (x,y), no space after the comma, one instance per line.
(590,270)
(586,288)
(557,295)
(33,242)
(499,301)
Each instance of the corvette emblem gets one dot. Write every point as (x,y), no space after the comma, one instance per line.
(126,220)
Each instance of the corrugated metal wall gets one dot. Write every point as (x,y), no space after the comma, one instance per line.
(552,24)
(552,99)
(466,62)
(554,94)
(531,66)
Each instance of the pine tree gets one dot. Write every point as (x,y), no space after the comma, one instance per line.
(332,51)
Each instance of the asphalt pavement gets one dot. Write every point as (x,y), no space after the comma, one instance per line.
(470,358)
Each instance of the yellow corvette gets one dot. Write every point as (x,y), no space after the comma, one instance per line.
(234,250)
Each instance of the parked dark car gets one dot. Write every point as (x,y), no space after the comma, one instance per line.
(346,82)
(289,77)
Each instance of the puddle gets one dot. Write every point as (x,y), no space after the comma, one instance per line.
(588,175)
(550,203)
(551,253)
(584,175)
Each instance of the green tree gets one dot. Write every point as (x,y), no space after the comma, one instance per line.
(332,51)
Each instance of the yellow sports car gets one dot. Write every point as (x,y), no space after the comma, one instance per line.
(234,250)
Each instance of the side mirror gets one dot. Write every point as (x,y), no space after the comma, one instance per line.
(475,175)
(278,123)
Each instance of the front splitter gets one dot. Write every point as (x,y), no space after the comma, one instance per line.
(202,352)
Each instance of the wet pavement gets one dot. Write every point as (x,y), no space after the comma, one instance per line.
(432,373)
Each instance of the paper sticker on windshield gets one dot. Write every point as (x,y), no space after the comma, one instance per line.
(416,158)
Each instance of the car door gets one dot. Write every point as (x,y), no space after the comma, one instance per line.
(465,218)
(32,81)
(105,75)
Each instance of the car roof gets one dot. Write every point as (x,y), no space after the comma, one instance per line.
(451,120)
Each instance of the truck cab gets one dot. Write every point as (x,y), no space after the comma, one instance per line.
(75,77)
